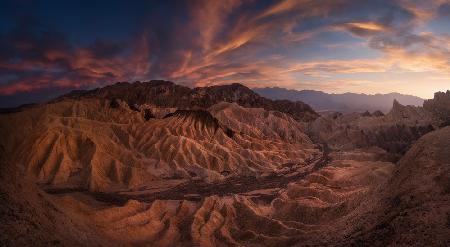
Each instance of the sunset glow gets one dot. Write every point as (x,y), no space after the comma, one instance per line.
(333,46)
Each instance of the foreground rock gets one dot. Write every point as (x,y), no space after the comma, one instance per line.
(302,212)
(413,209)
(347,202)
(30,217)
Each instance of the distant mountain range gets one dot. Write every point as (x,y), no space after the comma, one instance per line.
(346,102)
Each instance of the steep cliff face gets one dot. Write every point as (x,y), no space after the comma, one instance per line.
(165,94)
(439,106)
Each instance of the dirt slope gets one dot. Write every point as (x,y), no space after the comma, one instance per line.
(90,145)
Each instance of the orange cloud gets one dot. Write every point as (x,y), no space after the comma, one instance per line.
(229,41)
(369,26)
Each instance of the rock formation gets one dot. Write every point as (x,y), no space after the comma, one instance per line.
(137,168)
(165,94)
(393,132)
(413,208)
(89,145)
(439,106)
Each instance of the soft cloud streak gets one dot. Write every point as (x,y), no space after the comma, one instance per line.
(216,42)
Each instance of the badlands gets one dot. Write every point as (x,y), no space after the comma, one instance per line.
(158,164)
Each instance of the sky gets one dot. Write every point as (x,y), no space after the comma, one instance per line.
(51,47)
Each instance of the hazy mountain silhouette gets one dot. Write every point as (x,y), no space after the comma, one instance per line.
(347,102)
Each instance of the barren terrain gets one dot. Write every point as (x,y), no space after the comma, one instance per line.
(96,169)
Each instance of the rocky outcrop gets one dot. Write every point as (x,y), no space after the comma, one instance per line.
(413,208)
(394,132)
(377,114)
(165,94)
(411,115)
(259,123)
(439,106)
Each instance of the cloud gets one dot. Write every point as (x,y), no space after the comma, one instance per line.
(341,67)
(34,59)
(204,42)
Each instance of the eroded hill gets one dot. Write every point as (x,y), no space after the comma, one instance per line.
(98,169)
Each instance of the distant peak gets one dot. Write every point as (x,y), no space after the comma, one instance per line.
(160,83)
(232,86)
(236,84)
(396,106)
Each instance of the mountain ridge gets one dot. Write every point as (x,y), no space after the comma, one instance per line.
(168,94)
(344,102)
